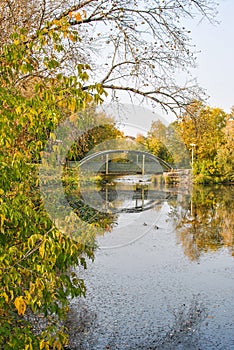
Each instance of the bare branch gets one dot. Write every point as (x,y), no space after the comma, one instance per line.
(131,45)
(75,8)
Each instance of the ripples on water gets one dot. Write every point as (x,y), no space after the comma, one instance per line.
(163,278)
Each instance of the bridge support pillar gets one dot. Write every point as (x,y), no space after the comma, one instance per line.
(107,160)
(143,164)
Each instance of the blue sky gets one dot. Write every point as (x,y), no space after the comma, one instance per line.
(215,70)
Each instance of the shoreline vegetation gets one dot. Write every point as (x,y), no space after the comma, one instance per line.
(58,63)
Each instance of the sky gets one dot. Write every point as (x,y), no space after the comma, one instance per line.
(214,44)
(215,71)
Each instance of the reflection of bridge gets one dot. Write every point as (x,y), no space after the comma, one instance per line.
(123,162)
(139,198)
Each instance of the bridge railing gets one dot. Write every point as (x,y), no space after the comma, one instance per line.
(123,162)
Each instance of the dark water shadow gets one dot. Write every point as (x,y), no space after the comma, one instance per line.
(182,334)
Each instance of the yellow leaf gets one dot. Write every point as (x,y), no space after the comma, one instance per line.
(18,110)
(22,37)
(43,344)
(28,347)
(52,136)
(2,219)
(12,294)
(72,38)
(5,296)
(78,17)
(42,249)
(57,345)
(20,305)
(72,105)
(28,296)
(73,117)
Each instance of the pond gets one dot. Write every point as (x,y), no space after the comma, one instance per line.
(163,276)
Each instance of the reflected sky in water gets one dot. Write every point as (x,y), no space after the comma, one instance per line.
(163,278)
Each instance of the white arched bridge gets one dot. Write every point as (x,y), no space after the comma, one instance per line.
(123,162)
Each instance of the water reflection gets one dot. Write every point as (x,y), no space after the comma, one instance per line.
(203,217)
(156,298)
(127,198)
(129,194)
(205,220)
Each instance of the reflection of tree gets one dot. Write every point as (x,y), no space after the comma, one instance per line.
(227,227)
(206,222)
(98,219)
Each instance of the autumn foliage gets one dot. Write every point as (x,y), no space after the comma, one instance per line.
(35,255)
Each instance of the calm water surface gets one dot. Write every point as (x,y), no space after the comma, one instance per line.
(163,277)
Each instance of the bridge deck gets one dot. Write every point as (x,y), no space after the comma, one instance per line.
(123,162)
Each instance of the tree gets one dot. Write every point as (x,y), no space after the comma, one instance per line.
(159,149)
(166,142)
(103,130)
(225,156)
(176,146)
(153,144)
(204,127)
(158,130)
(46,54)
(35,255)
(142,43)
